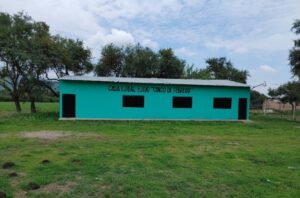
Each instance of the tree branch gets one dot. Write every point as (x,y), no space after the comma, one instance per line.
(50,88)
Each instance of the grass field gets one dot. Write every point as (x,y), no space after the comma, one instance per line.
(147,159)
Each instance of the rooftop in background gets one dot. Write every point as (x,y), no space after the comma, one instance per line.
(164,81)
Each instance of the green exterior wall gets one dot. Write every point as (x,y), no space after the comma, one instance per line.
(96,100)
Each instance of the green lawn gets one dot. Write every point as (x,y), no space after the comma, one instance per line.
(148,159)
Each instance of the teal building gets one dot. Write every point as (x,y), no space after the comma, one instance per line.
(113,98)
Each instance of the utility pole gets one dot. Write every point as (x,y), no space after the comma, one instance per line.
(264,84)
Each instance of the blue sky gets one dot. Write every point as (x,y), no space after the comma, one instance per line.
(254,35)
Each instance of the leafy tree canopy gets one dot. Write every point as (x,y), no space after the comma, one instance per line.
(141,62)
(257,99)
(16,35)
(194,73)
(222,68)
(287,93)
(28,52)
(294,56)
(111,62)
(69,55)
(169,65)
(138,61)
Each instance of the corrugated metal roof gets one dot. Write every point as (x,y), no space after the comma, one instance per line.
(165,81)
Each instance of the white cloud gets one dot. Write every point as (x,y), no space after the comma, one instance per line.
(183,51)
(252,72)
(129,9)
(249,32)
(101,38)
(150,43)
(145,38)
(267,69)
(96,22)
(85,19)
(118,37)
(271,43)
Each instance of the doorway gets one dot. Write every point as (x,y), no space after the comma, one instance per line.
(242,108)
(68,105)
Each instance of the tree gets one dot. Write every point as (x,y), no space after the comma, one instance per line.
(69,55)
(294,56)
(15,34)
(111,62)
(64,57)
(140,62)
(28,52)
(257,99)
(37,63)
(192,73)
(169,65)
(287,93)
(223,69)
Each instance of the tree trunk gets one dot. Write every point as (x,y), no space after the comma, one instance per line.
(17,104)
(32,104)
(67,71)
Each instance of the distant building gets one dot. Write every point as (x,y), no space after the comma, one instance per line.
(112,98)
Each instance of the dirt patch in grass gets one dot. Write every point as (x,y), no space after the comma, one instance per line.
(54,135)
(54,187)
(7,113)
(13,174)
(76,161)
(45,161)
(50,188)
(3,195)
(21,194)
(33,186)
(47,135)
(7,165)
(105,186)
(197,138)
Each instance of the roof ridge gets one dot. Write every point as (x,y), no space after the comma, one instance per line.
(169,81)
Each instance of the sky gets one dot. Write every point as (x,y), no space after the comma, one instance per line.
(254,34)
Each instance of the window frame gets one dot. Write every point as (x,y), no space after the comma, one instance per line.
(132,102)
(218,106)
(189,106)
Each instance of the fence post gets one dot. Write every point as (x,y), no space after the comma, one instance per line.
(294,110)
(264,106)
